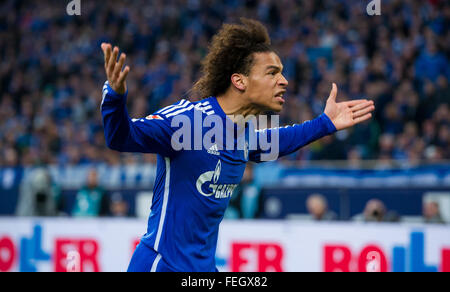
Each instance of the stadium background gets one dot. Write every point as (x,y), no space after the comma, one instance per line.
(51,134)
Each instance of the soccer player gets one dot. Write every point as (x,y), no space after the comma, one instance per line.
(242,75)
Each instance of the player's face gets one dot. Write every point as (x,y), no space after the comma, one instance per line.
(265,83)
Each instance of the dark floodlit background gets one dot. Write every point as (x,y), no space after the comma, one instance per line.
(394,168)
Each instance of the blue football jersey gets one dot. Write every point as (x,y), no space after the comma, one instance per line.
(193,184)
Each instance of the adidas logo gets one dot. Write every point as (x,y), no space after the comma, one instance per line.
(214,150)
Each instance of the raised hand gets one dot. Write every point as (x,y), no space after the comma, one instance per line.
(113,68)
(348,113)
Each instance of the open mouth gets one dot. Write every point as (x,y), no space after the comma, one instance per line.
(279,97)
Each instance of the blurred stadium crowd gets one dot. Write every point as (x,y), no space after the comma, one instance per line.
(51,71)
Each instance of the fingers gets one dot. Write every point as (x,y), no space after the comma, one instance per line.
(106,48)
(107,55)
(123,75)
(333,93)
(355,102)
(113,67)
(119,65)
(112,63)
(363,118)
(362,112)
(362,105)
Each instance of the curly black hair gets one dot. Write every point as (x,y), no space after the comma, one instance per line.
(231,51)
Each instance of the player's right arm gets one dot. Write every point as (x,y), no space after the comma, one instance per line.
(122,133)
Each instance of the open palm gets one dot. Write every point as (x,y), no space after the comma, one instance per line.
(116,76)
(348,113)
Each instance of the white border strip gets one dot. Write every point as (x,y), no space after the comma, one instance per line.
(164,206)
(155,263)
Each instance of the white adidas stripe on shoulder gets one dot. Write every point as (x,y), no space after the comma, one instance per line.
(180,111)
(183,103)
(167,108)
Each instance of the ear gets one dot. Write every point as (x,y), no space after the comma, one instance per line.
(239,81)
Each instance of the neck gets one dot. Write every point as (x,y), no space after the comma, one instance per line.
(236,104)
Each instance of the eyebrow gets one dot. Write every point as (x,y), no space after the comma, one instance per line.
(274,67)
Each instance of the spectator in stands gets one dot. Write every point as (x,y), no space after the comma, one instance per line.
(245,201)
(317,206)
(91,200)
(431,63)
(50,88)
(376,211)
(119,207)
(38,196)
(431,213)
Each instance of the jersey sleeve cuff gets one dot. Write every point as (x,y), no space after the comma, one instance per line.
(328,124)
(107,89)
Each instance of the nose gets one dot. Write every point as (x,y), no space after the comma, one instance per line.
(283,81)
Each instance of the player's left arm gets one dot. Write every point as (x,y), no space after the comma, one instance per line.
(337,116)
